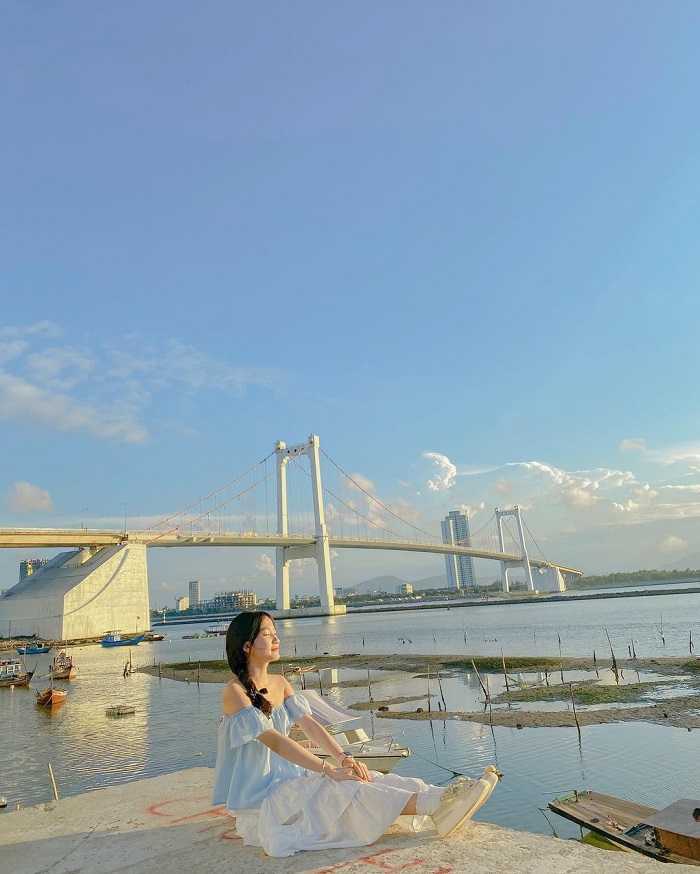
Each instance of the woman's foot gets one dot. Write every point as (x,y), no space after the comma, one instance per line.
(461,800)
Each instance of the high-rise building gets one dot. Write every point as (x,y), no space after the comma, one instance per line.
(195,593)
(29,565)
(460,568)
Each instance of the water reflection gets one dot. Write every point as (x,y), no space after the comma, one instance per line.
(174,725)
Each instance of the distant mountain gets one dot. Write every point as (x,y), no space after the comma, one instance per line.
(378,584)
(691,561)
(390,584)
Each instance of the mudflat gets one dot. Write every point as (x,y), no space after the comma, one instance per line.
(682,711)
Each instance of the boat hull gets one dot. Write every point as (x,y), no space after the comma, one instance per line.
(128,641)
(51,697)
(621,822)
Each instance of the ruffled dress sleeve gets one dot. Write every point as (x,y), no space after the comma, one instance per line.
(247,725)
(296,707)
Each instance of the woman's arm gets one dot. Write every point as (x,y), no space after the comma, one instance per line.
(324,739)
(289,749)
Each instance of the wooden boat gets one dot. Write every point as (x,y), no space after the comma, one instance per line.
(63,668)
(114,638)
(120,710)
(14,673)
(219,629)
(33,648)
(51,697)
(668,835)
(151,636)
(379,754)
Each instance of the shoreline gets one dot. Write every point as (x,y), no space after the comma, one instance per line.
(680,712)
(166,824)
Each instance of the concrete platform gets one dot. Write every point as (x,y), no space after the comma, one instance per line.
(166,824)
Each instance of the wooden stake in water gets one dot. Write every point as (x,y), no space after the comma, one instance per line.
(444,706)
(428,688)
(199,665)
(369,687)
(53,782)
(573,707)
(478,677)
(505,675)
(561,660)
(614,660)
(691,642)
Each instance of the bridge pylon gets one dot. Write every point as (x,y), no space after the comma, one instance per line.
(525,561)
(318,550)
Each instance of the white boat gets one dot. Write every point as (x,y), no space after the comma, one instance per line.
(378,753)
(219,628)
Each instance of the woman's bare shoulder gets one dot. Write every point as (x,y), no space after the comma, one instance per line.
(234,697)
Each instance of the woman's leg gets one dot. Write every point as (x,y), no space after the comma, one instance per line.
(410,808)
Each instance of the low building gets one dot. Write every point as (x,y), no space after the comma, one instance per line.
(182,603)
(405,589)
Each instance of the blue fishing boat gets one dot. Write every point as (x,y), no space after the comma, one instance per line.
(114,638)
(33,648)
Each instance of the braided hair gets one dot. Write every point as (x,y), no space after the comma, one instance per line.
(244,628)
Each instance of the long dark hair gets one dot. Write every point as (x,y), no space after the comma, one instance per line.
(244,628)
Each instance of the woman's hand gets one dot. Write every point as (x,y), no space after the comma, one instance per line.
(339,774)
(357,770)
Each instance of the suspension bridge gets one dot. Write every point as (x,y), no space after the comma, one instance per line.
(302,503)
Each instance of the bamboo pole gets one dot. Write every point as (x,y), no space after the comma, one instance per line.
(428,688)
(444,705)
(561,660)
(53,782)
(573,706)
(478,677)
(505,674)
(614,660)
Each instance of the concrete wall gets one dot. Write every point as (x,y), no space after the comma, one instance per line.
(82,593)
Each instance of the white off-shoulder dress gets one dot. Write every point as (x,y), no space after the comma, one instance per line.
(284,808)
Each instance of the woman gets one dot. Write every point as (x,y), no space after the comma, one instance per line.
(287,799)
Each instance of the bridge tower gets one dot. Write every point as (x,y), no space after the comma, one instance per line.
(318,550)
(525,561)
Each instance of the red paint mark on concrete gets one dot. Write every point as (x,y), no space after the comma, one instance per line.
(162,809)
(374,860)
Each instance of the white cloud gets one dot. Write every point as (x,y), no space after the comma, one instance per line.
(471,509)
(673,544)
(23,497)
(104,390)
(445,472)
(265,565)
(679,453)
(363,482)
(23,401)
(632,445)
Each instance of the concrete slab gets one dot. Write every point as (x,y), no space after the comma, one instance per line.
(166,824)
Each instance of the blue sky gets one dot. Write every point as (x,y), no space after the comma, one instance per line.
(456,240)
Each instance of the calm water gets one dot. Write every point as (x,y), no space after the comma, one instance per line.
(174,726)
